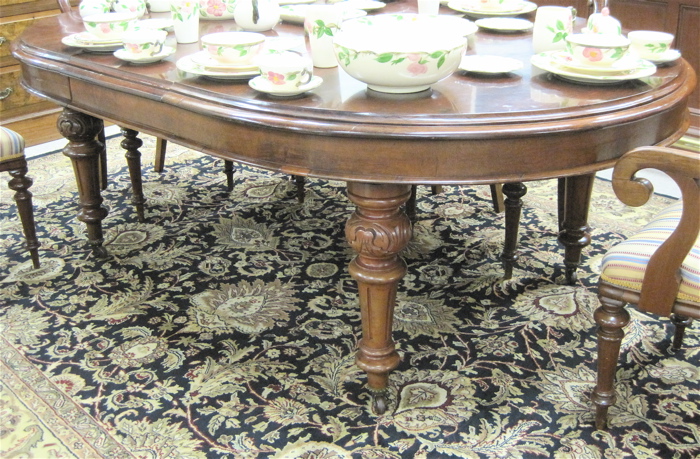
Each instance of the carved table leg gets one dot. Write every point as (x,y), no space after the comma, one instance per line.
(84,151)
(20,184)
(513,205)
(378,231)
(131,143)
(611,317)
(575,233)
(229,170)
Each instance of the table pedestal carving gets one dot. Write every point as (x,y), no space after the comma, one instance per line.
(84,151)
(378,230)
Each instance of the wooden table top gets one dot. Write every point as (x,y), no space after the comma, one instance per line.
(467,129)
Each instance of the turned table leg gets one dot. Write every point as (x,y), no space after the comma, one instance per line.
(378,230)
(513,206)
(84,151)
(575,233)
(131,143)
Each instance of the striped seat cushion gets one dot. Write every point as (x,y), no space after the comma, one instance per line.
(624,265)
(11,145)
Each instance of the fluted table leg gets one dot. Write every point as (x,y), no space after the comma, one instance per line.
(378,230)
(131,143)
(513,206)
(575,234)
(84,152)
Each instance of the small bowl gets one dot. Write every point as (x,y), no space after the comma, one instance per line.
(144,42)
(400,53)
(235,48)
(597,50)
(109,26)
(649,44)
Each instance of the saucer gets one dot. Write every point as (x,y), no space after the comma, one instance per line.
(87,38)
(186,64)
(546,61)
(504,25)
(204,59)
(263,85)
(625,65)
(522,8)
(134,59)
(70,40)
(492,65)
(667,57)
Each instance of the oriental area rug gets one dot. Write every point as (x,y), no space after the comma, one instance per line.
(225,326)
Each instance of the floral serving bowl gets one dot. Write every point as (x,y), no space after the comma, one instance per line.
(597,50)
(216,9)
(109,26)
(400,53)
(234,48)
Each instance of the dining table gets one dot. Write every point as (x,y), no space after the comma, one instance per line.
(470,128)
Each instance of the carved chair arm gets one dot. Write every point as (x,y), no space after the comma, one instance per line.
(663,269)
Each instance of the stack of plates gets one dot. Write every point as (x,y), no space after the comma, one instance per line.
(475,8)
(92,43)
(562,64)
(203,64)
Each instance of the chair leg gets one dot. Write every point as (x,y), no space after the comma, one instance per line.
(411,203)
(300,182)
(681,323)
(20,183)
(103,158)
(513,204)
(611,316)
(159,161)
(229,171)
(131,143)
(497,197)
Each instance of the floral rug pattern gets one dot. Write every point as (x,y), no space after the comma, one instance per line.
(225,326)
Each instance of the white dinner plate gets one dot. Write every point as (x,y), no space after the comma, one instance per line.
(70,40)
(625,65)
(295,2)
(186,64)
(546,62)
(493,65)
(504,25)
(204,59)
(367,5)
(296,14)
(263,85)
(459,5)
(129,57)
(87,38)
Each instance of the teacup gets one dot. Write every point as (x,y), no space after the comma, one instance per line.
(109,26)
(90,7)
(286,71)
(235,48)
(144,42)
(649,44)
(597,50)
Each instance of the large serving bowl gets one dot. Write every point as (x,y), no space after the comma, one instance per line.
(597,50)
(400,53)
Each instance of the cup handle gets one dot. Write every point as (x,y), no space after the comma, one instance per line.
(305,76)
(157,48)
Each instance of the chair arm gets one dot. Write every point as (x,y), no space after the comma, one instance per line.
(663,269)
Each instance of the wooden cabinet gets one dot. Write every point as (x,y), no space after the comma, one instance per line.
(679,17)
(31,116)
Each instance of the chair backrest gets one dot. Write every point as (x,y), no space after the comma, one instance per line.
(662,278)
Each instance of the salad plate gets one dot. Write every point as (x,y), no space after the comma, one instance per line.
(135,59)
(263,85)
(523,7)
(296,14)
(491,65)
(547,62)
(504,25)
(71,40)
(186,64)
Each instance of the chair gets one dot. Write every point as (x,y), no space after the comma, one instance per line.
(658,269)
(12,160)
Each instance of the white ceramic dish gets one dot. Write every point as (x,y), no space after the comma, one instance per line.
(87,38)
(546,61)
(504,6)
(625,65)
(70,40)
(206,60)
(129,57)
(296,14)
(155,23)
(295,2)
(458,5)
(367,5)
(186,64)
(263,85)
(667,57)
(489,65)
(504,25)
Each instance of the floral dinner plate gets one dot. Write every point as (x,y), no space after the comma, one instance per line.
(505,25)
(71,40)
(547,62)
(462,7)
(186,64)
